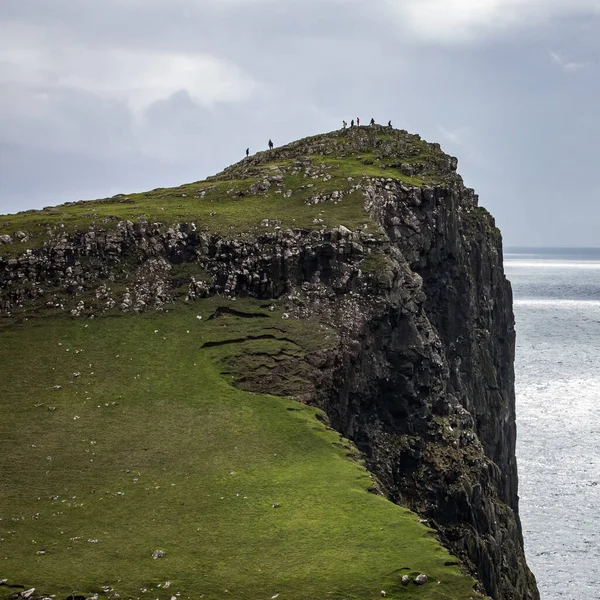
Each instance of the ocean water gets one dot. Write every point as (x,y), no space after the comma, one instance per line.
(557,309)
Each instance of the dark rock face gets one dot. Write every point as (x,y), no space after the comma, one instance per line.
(427,392)
(422,380)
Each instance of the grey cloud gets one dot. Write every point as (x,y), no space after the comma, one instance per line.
(523,129)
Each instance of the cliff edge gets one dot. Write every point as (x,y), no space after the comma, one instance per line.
(369,237)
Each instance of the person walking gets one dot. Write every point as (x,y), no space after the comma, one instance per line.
(390,124)
(270,144)
(357,122)
(344,124)
(352,123)
(247,152)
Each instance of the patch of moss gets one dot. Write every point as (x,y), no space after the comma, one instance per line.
(380,267)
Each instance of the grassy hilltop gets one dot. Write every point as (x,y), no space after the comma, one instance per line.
(281,185)
(124,434)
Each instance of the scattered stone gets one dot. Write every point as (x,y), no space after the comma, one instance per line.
(41,552)
(27,593)
(276,505)
(57,387)
(51,408)
(5,239)
(270,223)
(383,594)
(421,579)
(158,554)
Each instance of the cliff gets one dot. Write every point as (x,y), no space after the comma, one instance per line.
(369,233)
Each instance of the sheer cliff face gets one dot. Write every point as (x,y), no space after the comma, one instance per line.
(429,395)
(422,378)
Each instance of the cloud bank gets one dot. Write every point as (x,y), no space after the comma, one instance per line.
(121,95)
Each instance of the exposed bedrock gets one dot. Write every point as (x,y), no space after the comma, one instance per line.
(426,389)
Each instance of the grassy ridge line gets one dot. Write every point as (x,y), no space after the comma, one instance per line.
(230,203)
(150,448)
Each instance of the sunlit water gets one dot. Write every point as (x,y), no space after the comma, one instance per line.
(557,308)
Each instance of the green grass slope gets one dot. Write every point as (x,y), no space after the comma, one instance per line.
(148,447)
(123,435)
(235,203)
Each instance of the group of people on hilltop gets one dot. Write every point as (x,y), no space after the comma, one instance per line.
(345,125)
(372,123)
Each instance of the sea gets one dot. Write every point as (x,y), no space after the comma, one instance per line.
(557,310)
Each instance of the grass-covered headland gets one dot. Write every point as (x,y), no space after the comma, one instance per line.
(131,466)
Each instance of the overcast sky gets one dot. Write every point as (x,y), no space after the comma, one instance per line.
(99,97)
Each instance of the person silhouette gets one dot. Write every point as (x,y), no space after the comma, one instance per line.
(372,122)
(357,122)
(247,152)
(352,123)
(344,124)
(390,124)
(270,145)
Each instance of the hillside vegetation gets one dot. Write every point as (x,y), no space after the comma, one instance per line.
(293,185)
(134,464)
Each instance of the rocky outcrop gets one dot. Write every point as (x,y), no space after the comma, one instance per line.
(425,386)
(422,380)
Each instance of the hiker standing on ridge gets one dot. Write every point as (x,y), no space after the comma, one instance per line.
(357,122)
(390,124)
(247,152)
(352,123)
(372,122)
(270,145)
(344,124)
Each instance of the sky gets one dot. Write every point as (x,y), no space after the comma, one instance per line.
(117,96)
